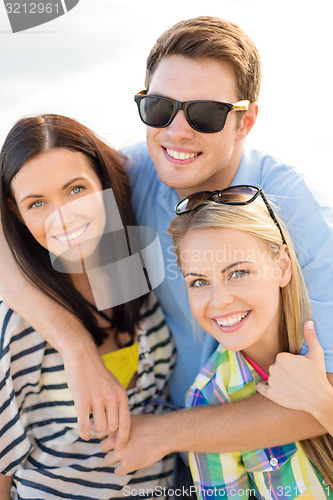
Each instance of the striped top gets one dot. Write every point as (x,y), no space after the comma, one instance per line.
(279,473)
(39,440)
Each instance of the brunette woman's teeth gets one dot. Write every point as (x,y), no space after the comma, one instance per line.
(72,235)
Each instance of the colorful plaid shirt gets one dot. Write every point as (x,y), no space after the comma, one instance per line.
(279,473)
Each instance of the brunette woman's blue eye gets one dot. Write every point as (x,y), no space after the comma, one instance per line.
(36,204)
(76,189)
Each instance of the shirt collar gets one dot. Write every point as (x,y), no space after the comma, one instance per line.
(248,171)
(241,372)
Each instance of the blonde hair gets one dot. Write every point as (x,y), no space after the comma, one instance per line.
(255,219)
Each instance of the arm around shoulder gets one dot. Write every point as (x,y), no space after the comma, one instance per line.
(93,387)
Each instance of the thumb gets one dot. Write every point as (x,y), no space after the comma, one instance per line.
(262,388)
(312,341)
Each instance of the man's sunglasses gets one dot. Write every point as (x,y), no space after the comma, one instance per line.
(207,117)
(234,195)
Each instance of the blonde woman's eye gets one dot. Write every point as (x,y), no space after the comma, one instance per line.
(239,273)
(198,283)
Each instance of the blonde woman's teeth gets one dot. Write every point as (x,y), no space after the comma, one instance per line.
(231,320)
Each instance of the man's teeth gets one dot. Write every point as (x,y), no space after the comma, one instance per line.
(181,155)
(72,236)
(232,320)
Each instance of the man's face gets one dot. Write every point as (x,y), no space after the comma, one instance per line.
(185,159)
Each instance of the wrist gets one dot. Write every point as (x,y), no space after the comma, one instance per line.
(172,431)
(322,404)
(75,341)
(79,348)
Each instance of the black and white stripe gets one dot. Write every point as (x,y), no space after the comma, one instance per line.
(39,441)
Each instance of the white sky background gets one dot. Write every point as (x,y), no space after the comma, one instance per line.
(89,63)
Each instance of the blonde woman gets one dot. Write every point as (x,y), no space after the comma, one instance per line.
(246,289)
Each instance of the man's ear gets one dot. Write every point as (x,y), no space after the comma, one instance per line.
(285,266)
(247,121)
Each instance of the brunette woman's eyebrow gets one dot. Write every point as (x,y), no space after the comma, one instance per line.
(63,187)
(73,180)
(31,196)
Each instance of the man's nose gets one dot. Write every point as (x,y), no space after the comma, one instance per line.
(179,127)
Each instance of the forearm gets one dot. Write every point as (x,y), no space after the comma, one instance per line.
(252,423)
(5,486)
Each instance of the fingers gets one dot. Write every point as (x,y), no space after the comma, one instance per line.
(112,458)
(100,420)
(124,429)
(83,411)
(262,388)
(109,443)
(110,414)
(95,390)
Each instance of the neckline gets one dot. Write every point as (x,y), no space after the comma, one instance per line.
(257,368)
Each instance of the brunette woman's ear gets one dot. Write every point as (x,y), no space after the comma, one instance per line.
(285,266)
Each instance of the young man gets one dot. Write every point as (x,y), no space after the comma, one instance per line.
(205,59)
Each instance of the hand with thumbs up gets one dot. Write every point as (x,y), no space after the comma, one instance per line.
(300,382)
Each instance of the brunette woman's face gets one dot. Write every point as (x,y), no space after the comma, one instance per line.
(51,193)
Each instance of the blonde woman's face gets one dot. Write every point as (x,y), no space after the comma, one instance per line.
(233,284)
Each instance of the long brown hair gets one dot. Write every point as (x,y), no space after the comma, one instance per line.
(255,219)
(29,138)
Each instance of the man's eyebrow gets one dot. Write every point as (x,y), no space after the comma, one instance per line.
(234,264)
(63,187)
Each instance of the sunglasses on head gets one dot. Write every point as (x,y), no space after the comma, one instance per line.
(207,117)
(234,195)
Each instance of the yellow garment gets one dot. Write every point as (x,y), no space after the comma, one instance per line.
(123,363)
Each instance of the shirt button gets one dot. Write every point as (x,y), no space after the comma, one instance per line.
(325,483)
(273,461)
